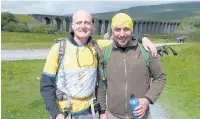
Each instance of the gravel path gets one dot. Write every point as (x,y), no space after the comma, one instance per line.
(24,54)
(157,111)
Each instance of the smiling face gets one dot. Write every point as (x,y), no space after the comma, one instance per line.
(122,35)
(82,24)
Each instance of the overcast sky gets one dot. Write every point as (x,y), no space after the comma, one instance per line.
(69,7)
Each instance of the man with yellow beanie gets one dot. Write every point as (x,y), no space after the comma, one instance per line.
(127,69)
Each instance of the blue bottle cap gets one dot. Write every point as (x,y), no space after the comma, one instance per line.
(132,96)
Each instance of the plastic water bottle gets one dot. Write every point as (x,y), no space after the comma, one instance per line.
(133,103)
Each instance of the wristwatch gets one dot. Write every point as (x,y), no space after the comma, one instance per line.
(102,111)
(150,102)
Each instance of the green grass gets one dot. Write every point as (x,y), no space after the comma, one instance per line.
(23,18)
(21,97)
(180,27)
(162,38)
(26,45)
(16,40)
(181,95)
(195,36)
(17,37)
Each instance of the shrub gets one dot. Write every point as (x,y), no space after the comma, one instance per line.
(11,27)
(61,32)
(35,29)
(48,29)
(195,23)
(22,28)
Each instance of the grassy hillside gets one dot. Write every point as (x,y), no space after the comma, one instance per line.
(172,11)
(23,18)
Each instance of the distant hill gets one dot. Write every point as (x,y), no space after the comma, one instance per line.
(174,11)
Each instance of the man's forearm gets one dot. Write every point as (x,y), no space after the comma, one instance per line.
(47,89)
(159,79)
(155,90)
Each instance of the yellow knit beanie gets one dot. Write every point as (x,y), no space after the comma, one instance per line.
(122,19)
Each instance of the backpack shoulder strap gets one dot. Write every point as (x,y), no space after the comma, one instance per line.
(97,49)
(103,65)
(107,54)
(145,54)
(61,51)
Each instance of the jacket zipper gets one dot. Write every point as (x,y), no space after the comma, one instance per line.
(125,70)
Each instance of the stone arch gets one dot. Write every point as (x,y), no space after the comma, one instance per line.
(58,23)
(152,27)
(94,27)
(164,27)
(178,24)
(168,27)
(156,27)
(100,23)
(47,20)
(171,27)
(160,27)
(139,28)
(67,21)
(135,27)
(148,28)
(106,26)
(144,27)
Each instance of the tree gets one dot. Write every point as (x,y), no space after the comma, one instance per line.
(3,23)
(9,17)
(8,20)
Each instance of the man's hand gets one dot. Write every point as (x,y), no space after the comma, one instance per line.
(141,109)
(103,116)
(149,46)
(60,116)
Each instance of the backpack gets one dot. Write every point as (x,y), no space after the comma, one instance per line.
(106,57)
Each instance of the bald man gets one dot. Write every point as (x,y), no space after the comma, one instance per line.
(77,76)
